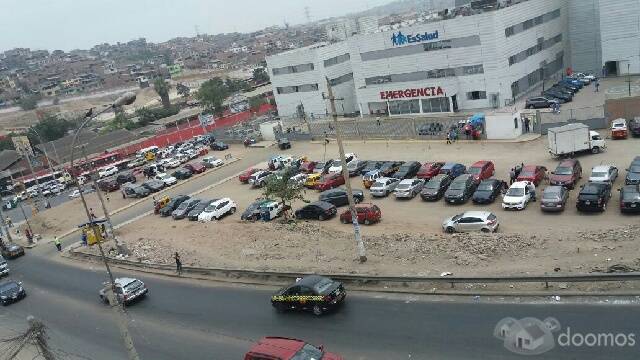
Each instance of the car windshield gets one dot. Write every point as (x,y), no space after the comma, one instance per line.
(527,173)
(475,170)
(433,184)
(308,352)
(403,186)
(630,195)
(516,192)
(458,185)
(634,169)
(210,208)
(563,170)
(322,285)
(485,187)
(132,285)
(378,184)
(599,174)
(8,287)
(550,195)
(589,190)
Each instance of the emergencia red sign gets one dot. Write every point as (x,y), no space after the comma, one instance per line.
(412,93)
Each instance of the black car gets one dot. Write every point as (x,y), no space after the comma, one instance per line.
(568,86)
(634,127)
(356,169)
(320,210)
(390,167)
(633,174)
(560,96)
(193,214)
(284,144)
(322,167)
(183,209)
(314,293)
(563,90)
(253,210)
(153,185)
(371,165)
(434,189)
(12,251)
(219,146)
(594,197)
(11,291)
(408,170)
(126,177)
(182,174)
(109,185)
(488,191)
(539,103)
(338,197)
(461,189)
(173,204)
(630,199)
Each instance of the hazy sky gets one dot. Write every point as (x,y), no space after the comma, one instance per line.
(80,24)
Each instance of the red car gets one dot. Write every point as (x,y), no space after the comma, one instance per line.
(280,348)
(533,173)
(567,174)
(308,166)
(429,170)
(195,168)
(482,170)
(244,177)
(203,151)
(367,214)
(330,181)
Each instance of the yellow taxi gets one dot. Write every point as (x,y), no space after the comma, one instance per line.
(312,180)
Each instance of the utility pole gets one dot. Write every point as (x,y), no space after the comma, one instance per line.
(362,257)
(629,78)
(4,225)
(40,196)
(38,331)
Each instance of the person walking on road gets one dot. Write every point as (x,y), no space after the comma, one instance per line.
(84,238)
(597,85)
(178,263)
(92,214)
(58,244)
(9,222)
(512,176)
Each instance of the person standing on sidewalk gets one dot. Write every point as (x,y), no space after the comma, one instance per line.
(58,244)
(9,222)
(178,263)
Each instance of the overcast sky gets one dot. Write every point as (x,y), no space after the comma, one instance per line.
(80,24)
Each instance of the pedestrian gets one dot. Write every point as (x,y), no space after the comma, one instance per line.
(532,190)
(9,222)
(527,123)
(107,196)
(597,84)
(449,139)
(378,121)
(56,241)
(27,233)
(84,238)
(178,263)
(123,195)
(92,214)
(512,176)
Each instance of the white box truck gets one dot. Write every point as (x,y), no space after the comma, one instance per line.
(574,138)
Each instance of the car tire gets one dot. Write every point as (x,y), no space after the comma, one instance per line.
(450,230)
(321,217)
(317,310)
(485,230)
(344,221)
(367,222)
(595,150)
(232,211)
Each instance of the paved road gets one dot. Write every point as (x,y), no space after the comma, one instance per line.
(181,319)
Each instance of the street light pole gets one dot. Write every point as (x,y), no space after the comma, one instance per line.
(40,196)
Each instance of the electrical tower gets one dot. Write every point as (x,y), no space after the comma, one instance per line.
(307,13)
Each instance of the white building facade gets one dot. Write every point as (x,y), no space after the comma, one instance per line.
(620,36)
(467,62)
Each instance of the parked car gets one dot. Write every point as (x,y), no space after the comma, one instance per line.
(127,290)
(390,167)
(330,181)
(137,162)
(619,129)
(435,188)
(109,185)
(12,251)
(561,97)
(11,291)
(633,174)
(173,204)
(182,211)
(299,179)
(336,164)
(279,348)
(216,210)
(567,173)
(211,162)
(453,169)
(246,175)
(539,102)
(518,196)
(429,170)
(338,197)
(253,210)
(307,166)
(488,191)
(554,198)
(259,179)
(312,180)
(126,177)
(533,173)
(167,179)
(355,167)
(182,174)
(461,189)
(322,167)
(630,198)
(367,214)
(634,127)
(4,268)
(564,85)
(371,166)
(134,191)
(323,294)
(198,209)
(195,168)
(383,186)
(371,177)
(482,170)
(153,185)
(284,144)
(408,170)
(471,221)
(594,196)
(604,174)
(408,188)
(219,146)
(320,210)
(270,210)
(107,171)
(172,163)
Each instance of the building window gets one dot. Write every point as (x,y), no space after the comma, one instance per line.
(476,95)
(292,69)
(294,89)
(463,42)
(404,107)
(531,23)
(337,60)
(342,79)
(436,105)
(425,75)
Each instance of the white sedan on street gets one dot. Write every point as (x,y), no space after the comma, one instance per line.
(107,171)
(217,209)
(213,161)
(167,179)
(172,163)
(518,196)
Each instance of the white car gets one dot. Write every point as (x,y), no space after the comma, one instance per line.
(191,154)
(76,193)
(214,161)
(299,179)
(383,186)
(336,166)
(274,208)
(409,188)
(218,209)
(471,221)
(172,163)
(167,179)
(107,171)
(604,174)
(518,196)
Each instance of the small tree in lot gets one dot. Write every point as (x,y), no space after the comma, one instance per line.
(278,186)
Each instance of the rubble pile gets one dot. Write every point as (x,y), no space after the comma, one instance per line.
(627,233)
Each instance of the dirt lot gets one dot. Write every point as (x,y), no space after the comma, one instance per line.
(409,240)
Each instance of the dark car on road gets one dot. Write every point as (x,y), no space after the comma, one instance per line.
(11,291)
(219,146)
(182,174)
(253,210)
(390,167)
(488,191)
(338,197)
(630,199)
(126,177)
(554,198)
(314,293)
(153,185)
(453,169)
(12,251)
(633,174)
(434,189)
(408,170)
(594,196)
(109,185)
(320,210)
(284,144)
(539,103)
(634,127)
(198,209)
(173,204)
(461,189)
(182,211)
(567,173)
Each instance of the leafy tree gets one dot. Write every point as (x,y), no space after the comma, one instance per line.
(260,76)
(6,144)
(162,88)
(212,94)
(278,186)
(29,102)
(236,85)
(50,128)
(183,90)
(147,116)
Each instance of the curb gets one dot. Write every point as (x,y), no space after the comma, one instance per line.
(412,141)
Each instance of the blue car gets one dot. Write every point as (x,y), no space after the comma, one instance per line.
(453,169)
(573,82)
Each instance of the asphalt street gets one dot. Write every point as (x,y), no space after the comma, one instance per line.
(184,319)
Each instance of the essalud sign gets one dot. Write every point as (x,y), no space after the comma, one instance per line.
(399,39)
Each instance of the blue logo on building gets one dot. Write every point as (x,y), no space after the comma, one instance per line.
(399,38)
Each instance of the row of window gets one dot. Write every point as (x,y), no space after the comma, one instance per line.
(468,41)
(476,95)
(297,89)
(531,23)
(293,69)
(541,45)
(342,79)
(408,107)
(532,79)
(424,75)
(337,60)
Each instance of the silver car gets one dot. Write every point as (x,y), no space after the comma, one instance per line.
(471,221)
(127,290)
(409,188)
(383,186)
(604,174)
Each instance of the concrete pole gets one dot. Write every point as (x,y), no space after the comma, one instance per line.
(40,196)
(362,257)
(4,224)
(39,334)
